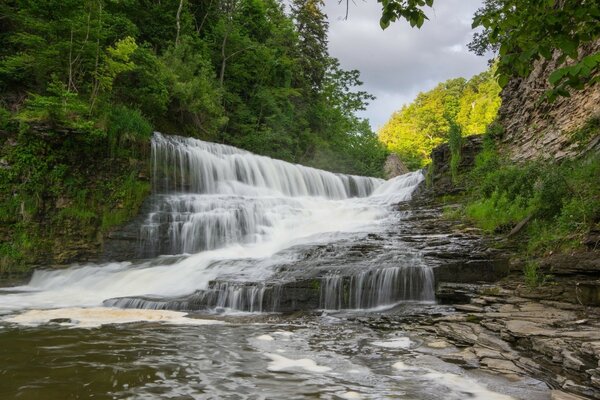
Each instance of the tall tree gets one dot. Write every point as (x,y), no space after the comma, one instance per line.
(311,25)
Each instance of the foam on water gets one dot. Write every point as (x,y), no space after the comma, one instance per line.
(95,317)
(399,343)
(280,363)
(458,384)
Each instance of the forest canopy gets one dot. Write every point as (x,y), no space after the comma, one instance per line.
(414,130)
(241,72)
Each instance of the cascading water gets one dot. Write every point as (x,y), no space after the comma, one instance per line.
(228,225)
(218,195)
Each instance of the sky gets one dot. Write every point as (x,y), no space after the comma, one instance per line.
(398,63)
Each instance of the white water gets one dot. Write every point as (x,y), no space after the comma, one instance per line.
(216,203)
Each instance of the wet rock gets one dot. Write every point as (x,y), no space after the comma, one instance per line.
(502,366)
(394,167)
(472,271)
(581,263)
(521,328)
(469,308)
(61,321)
(461,333)
(572,362)
(493,342)
(588,293)
(560,395)
(465,359)
(438,344)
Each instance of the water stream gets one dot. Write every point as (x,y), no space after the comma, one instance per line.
(231,237)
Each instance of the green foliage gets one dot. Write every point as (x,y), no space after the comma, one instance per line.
(58,107)
(127,198)
(424,124)
(525,31)
(410,10)
(88,81)
(582,136)
(240,72)
(562,201)
(117,60)
(455,144)
(126,127)
(4,118)
(59,189)
(532,274)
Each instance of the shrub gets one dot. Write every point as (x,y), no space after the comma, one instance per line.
(454,143)
(126,127)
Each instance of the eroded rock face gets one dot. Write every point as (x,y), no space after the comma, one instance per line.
(394,167)
(535,129)
(441,178)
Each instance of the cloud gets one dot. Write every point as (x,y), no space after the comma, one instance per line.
(398,63)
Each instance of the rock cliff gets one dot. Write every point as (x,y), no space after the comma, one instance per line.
(538,129)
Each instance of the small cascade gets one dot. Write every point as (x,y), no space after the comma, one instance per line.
(190,223)
(377,287)
(220,295)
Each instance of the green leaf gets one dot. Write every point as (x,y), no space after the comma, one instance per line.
(503,80)
(569,47)
(384,23)
(556,76)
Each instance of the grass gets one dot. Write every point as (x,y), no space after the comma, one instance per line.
(560,201)
(532,275)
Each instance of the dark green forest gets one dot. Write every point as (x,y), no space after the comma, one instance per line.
(241,72)
(83,84)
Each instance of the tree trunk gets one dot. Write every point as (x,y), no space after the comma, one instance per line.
(178,22)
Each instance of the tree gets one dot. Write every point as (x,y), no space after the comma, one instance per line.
(465,106)
(525,31)
(311,25)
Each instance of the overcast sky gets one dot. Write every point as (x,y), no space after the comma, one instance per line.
(398,63)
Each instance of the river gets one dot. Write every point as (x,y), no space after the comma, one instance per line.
(251,278)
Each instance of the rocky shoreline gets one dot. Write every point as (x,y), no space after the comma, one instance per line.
(502,332)
(550,332)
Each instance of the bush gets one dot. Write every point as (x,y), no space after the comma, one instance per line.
(562,200)
(58,107)
(126,127)
(454,143)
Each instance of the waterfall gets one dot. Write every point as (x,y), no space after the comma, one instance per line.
(194,166)
(377,287)
(230,229)
(211,195)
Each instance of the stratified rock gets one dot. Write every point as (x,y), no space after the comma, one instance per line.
(502,366)
(560,395)
(438,344)
(465,359)
(535,129)
(394,167)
